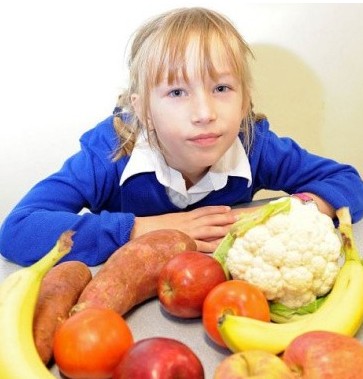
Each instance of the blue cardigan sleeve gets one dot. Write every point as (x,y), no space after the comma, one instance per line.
(281,164)
(88,180)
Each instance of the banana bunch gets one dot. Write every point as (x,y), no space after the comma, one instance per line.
(341,312)
(19,358)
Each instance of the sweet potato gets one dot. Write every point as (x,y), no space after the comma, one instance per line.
(130,275)
(59,292)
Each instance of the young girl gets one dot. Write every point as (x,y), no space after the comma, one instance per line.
(182,147)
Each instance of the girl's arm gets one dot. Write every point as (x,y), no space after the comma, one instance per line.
(281,164)
(53,206)
(87,180)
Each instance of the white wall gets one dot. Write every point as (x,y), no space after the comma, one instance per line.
(62,66)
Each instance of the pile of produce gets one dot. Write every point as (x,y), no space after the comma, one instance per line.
(275,289)
(19,357)
(84,318)
(339,312)
(293,256)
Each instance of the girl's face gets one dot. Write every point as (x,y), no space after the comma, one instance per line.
(196,120)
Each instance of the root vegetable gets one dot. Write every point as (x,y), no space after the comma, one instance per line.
(59,292)
(130,275)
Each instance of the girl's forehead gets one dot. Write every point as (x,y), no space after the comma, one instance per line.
(215,52)
(197,58)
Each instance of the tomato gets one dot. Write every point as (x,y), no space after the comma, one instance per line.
(236,297)
(91,343)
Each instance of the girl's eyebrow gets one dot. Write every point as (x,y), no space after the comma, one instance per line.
(219,74)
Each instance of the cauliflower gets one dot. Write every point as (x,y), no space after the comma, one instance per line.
(293,257)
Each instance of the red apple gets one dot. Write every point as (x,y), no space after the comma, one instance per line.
(159,358)
(256,364)
(185,281)
(325,355)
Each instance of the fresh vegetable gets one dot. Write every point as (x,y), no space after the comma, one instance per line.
(59,291)
(91,343)
(130,275)
(287,249)
(185,281)
(341,312)
(18,295)
(281,313)
(235,297)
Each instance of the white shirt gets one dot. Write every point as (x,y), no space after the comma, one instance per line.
(145,158)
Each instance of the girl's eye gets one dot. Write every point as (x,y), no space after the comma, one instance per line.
(176,92)
(222,88)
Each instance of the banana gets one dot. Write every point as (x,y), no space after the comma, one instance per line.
(341,312)
(19,358)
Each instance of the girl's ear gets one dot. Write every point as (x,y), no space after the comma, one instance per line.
(136,104)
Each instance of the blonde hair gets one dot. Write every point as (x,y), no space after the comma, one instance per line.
(159,47)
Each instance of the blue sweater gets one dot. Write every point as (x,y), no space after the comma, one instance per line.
(90,180)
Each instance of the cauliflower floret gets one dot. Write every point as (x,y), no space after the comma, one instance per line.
(293,257)
(296,278)
(294,299)
(241,259)
(327,278)
(332,244)
(273,252)
(255,238)
(277,224)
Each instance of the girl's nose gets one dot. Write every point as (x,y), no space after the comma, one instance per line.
(203,109)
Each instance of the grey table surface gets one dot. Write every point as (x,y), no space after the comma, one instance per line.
(149,320)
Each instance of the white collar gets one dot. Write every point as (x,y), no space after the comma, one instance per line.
(145,158)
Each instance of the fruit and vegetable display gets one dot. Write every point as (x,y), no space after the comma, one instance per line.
(130,275)
(281,295)
(341,311)
(289,250)
(19,357)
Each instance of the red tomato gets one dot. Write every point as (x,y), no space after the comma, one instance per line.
(234,297)
(91,343)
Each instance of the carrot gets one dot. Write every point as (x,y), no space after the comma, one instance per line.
(130,275)
(59,291)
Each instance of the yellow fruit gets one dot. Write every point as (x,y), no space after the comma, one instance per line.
(19,358)
(342,311)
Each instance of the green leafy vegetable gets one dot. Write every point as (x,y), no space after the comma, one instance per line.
(249,220)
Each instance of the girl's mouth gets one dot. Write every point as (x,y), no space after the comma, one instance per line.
(205,139)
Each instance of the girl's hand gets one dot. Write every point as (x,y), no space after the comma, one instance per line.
(206,225)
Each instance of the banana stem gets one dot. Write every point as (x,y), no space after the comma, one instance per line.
(350,249)
(62,247)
